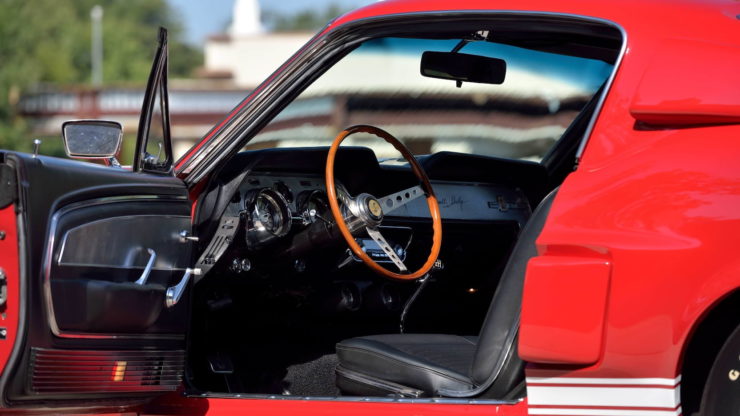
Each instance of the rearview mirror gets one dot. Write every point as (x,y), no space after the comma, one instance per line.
(463,67)
(92,139)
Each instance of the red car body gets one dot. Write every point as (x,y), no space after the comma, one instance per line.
(638,258)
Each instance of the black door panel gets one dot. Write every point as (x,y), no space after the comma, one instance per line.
(95,306)
(86,232)
(100,249)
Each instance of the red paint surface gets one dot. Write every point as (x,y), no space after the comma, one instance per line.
(690,82)
(175,404)
(9,263)
(661,205)
(665,209)
(566,328)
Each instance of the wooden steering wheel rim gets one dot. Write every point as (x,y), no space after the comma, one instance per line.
(420,174)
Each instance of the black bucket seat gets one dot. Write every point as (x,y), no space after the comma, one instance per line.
(423,365)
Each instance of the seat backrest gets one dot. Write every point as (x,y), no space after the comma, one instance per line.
(496,360)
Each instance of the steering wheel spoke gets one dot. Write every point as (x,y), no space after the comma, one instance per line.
(394,201)
(387,249)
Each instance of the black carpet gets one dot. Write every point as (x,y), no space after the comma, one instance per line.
(312,378)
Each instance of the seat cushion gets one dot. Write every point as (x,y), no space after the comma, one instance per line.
(425,362)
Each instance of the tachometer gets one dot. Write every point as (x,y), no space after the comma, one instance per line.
(312,206)
(269,217)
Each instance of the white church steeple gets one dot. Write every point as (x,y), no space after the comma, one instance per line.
(246,20)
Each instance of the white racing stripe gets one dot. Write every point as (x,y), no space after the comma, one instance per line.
(603,412)
(604,396)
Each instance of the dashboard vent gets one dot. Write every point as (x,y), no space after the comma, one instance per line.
(62,371)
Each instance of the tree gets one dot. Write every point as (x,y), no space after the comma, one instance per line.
(304,21)
(48,42)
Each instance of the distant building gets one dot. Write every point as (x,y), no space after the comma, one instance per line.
(247,55)
(193,111)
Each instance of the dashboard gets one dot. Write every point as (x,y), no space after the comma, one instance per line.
(271,206)
(275,204)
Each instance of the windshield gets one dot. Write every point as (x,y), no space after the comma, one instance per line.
(380,84)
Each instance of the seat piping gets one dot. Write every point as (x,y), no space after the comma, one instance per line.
(494,374)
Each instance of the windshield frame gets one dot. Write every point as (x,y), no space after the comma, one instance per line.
(317,56)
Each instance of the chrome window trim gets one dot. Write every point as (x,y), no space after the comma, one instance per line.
(602,99)
(48,259)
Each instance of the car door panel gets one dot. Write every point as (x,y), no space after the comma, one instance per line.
(92,332)
(100,249)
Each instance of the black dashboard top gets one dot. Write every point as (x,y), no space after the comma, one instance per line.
(356,165)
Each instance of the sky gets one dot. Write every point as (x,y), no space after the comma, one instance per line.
(205,17)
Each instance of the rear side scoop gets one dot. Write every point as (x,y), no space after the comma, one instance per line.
(685,86)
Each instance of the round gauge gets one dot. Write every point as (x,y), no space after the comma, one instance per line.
(269,216)
(312,205)
(283,189)
(317,203)
(267,213)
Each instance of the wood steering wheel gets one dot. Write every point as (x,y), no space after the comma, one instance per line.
(366,212)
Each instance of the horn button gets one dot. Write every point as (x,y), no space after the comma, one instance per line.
(368,209)
(374,208)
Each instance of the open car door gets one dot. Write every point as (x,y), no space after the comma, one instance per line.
(104,254)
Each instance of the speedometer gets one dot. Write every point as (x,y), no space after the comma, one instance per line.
(269,217)
(267,214)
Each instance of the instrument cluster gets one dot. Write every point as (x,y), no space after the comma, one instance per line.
(274,204)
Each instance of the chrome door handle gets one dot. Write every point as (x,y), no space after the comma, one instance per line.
(174,293)
(148,269)
(185,237)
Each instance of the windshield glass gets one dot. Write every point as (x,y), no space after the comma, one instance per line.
(380,84)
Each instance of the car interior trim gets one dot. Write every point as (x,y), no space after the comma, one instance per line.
(147,228)
(48,260)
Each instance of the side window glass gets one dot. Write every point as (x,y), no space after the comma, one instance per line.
(153,146)
(156,157)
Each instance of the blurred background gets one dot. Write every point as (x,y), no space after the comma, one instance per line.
(89,59)
(79,59)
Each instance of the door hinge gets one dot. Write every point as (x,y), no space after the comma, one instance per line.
(8,188)
(3,288)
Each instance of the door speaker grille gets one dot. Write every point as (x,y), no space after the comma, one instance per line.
(61,371)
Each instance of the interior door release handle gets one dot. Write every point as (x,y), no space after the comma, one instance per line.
(148,269)
(185,237)
(174,293)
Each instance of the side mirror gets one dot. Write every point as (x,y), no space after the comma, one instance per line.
(462,67)
(92,139)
